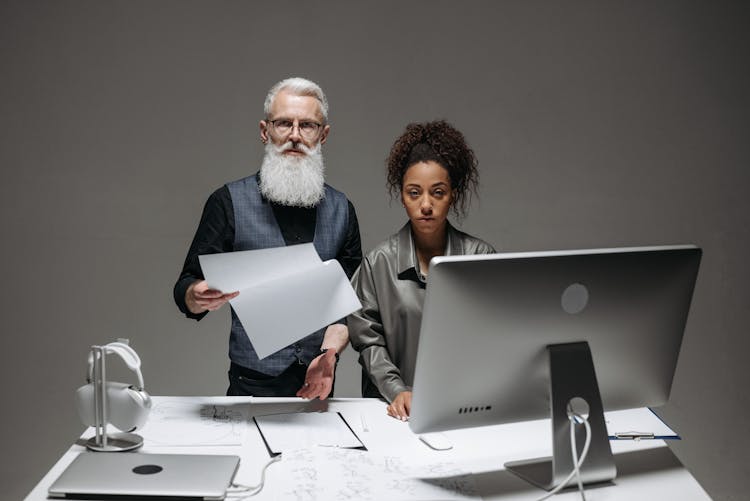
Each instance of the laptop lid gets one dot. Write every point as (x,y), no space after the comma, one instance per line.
(128,475)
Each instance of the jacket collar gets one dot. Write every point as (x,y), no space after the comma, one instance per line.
(407,254)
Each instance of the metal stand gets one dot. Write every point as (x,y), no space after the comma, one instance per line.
(102,441)
(572,376)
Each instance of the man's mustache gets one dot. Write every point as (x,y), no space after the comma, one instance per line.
(292,146)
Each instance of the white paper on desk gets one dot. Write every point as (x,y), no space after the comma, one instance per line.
(286,293)
(284,432)
(190,424)
(325,473)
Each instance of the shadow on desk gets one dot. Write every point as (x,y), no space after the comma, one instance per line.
(644,461)
(265,408)
(629,464)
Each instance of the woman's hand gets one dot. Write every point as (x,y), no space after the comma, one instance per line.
(401,406)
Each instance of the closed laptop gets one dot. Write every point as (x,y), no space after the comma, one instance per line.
(128,475)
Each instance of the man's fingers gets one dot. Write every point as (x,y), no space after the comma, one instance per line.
(213,304)
(307,391)
(323,391)
(215,294)
(313,390)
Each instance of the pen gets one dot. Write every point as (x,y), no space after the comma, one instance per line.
(364,423)
(634,435)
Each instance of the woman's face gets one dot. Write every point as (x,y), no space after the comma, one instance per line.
(427,196)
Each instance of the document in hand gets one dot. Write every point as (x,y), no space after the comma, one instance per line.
(286,293)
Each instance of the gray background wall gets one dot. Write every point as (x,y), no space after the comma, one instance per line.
(600,123)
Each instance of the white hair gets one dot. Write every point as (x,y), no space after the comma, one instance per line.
(299,87)
(294,181)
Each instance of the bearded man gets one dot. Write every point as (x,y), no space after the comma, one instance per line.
(286,203)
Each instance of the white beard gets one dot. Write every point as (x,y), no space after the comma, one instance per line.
(292,180)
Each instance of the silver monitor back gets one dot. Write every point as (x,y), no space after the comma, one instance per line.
(488,320)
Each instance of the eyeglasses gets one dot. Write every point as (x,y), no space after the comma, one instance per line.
(307,128)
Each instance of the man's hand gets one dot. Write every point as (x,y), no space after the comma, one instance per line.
(319,377)
(199,297)
(401,406)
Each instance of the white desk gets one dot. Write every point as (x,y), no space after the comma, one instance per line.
(646,469)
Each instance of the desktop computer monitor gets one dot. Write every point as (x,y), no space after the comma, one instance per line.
(516,336)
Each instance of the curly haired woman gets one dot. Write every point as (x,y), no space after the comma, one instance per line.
(433,171)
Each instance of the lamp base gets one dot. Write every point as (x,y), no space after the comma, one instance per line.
(116,442)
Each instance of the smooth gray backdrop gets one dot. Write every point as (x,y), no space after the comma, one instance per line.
(597,123)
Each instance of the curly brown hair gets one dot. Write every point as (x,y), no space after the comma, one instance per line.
(442,143)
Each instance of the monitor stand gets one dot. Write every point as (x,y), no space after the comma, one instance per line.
(572,376)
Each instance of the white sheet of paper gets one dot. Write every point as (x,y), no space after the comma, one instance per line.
(236,271)
(182,424)
(286,293)
(277,313)
(325,473)
(285,432)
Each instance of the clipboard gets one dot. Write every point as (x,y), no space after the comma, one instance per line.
(302,430)
(638,424)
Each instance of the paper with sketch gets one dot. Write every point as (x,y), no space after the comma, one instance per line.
(325,473)
(283,432)
(286,293)
(189,424)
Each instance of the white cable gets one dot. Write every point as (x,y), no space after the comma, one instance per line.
(576,464)
(246,491)
(574,452)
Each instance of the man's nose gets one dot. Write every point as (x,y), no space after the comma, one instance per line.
(295,136)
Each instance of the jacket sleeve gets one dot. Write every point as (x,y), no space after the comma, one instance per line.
(368,336)
(215,234)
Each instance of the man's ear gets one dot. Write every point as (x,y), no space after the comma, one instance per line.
(324,134)
(263,131)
